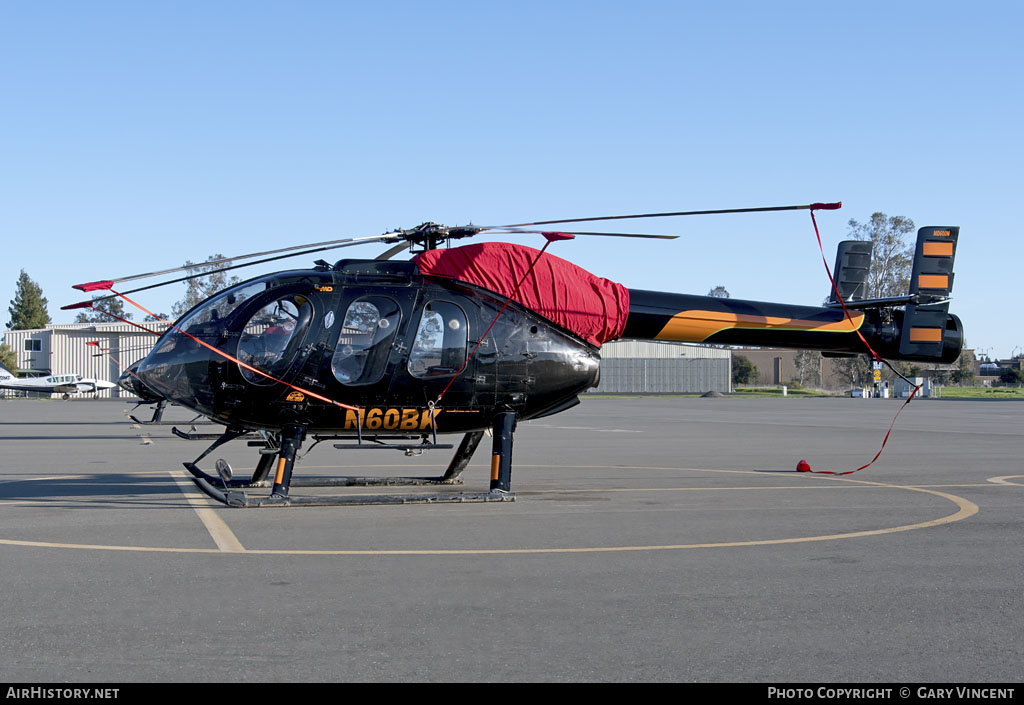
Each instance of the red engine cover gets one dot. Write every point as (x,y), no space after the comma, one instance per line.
(592,307)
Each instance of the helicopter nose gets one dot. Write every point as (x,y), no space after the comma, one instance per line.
(177,369)
(194,364)
(130,382)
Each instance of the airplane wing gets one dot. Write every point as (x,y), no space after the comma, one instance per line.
(24,387)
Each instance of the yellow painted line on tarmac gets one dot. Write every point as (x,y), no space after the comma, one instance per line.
(222,535)
(99,547)
(225,539)
(966,509)
(747,488)
(952,485)
(690,489)
(1002,480)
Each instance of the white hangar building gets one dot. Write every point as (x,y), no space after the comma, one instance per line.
(63,349)
(646,367)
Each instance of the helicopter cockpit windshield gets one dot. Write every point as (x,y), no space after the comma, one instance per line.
(206,322)
(267,323)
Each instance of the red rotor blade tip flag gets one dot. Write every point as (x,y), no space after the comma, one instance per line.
(94,286)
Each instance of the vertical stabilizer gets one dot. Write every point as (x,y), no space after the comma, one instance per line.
(924,324)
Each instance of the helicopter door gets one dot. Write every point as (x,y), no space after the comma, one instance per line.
(505,355)
(439,349)
(366,339)
(271,337)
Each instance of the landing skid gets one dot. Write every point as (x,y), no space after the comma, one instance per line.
(229,491)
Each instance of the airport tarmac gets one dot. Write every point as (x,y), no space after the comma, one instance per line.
(653,539)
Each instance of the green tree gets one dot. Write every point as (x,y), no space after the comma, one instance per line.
(907,369)
(744,371)
(100,309)
(28,308)
(719,292)
(1012,376)
(808,366)
(8,358)
(892,256)
(212,280)
(856,370)
(963,373)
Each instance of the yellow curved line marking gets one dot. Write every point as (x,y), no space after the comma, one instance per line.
(746,488)
(697,326)
(965,509)
(1002,480)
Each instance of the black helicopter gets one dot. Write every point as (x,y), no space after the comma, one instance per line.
(390,354)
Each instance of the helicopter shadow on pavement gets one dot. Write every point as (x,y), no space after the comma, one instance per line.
(118,422)
(96,490)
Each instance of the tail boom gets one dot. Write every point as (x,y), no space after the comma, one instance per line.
(704,319)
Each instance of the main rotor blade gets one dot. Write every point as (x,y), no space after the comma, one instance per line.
(514,230)
(95,286)
(809,206)
(391,252)
(320,246)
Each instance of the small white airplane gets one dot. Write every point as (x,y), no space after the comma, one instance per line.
(54,384)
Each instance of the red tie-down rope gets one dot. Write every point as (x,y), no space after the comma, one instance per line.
(218,351)
(803,466)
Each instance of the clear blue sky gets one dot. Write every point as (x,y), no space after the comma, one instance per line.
(134,136)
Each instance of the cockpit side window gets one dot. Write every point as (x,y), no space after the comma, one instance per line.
(270,337)
(365,341)
(439,349)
